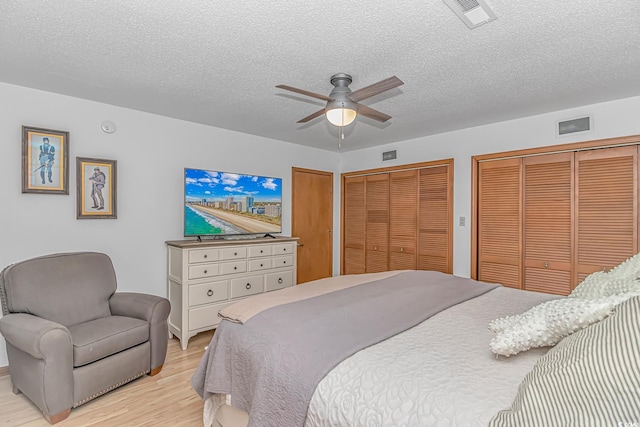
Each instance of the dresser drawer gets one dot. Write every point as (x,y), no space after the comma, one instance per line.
(282,261)
(201,271)
(243,287)
(260,250)
(283,248)
(205,316)
(259,264)
(202,255)
(279,280)
(233,267)
(233,253)
(208,292)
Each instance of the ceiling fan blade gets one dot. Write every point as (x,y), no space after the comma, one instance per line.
(372,114)
(312,116)
(374,89)
(304,92)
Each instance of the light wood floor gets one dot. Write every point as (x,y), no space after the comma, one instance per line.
(166,399)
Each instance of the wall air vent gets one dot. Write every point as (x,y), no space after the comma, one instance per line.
(472,12)
(566,127)
(389,155)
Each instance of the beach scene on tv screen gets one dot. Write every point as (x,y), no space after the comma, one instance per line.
(218,203)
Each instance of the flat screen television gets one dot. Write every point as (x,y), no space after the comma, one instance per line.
(226,204)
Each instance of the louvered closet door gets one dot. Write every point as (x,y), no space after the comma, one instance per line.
(403,194)
(548,226)
(354,225)
(606,208)
(499,222)
(377,228)
(434,219)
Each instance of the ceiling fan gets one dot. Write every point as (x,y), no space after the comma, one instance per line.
(343,104)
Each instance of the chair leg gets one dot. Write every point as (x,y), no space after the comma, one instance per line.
(155,371)
(15,389)
(58,417)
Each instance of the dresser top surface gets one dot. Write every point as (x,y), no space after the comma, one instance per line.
(187,244)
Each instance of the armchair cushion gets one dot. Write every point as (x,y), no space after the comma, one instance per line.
(68,288)
(103,337)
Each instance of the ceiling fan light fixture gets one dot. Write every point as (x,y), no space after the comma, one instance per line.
(341,116)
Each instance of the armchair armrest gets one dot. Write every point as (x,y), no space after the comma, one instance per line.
(41,361)
(153,309)
(36,336)
(140,306)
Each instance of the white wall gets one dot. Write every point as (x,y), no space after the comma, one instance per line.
(610,119)
(151,153)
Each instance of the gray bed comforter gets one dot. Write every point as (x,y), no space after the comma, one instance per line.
(272,364)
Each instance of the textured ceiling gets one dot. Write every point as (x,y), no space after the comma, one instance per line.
(218,62)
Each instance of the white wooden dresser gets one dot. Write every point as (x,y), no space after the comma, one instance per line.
(204,277)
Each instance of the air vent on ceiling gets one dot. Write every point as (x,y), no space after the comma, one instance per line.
(565,127)
(472,12)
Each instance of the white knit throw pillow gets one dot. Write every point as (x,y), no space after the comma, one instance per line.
(620,279)
(548,323)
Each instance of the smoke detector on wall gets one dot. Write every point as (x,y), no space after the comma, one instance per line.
(472,12)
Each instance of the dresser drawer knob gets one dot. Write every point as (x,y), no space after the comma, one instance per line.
(205,255)
(235,254)
(261,251)
(285,249)
(205,272)
(261,265)
(284,262)
(209,292)
(235,268)
(279,279)
(248,286)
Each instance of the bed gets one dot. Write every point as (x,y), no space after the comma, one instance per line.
(438,371)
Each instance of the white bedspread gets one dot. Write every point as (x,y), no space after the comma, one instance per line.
(439,373)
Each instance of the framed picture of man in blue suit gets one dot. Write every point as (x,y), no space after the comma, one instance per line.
(45,155)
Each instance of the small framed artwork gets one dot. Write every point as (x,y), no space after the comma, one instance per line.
(96,188)
(45,156)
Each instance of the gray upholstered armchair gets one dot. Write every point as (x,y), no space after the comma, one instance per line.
(70,337)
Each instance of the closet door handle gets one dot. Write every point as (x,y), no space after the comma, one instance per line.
(546,264)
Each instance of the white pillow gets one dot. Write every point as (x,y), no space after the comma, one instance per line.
(620,279)
(548,323)
(629,268)
(601,284)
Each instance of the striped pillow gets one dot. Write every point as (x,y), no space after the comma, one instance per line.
(591,378)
